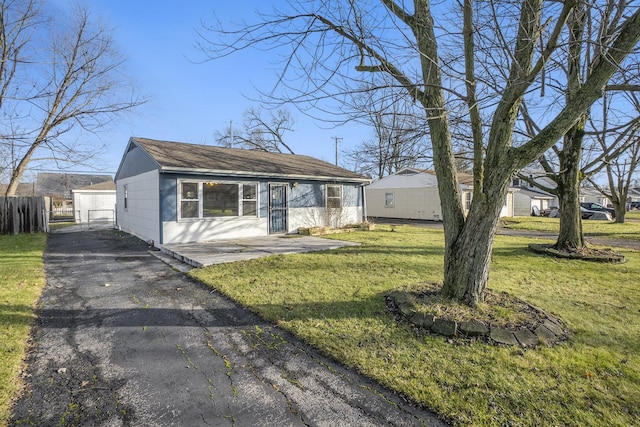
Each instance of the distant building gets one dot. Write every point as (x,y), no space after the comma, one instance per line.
(59,185)
(413,194)
(25,189)
(529,199)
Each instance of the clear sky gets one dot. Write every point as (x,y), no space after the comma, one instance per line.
(190,101)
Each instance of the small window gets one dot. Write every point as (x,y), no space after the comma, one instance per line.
(189,200)
(126,196)
(334,196)
(389,200)
(468,199)
(249,200)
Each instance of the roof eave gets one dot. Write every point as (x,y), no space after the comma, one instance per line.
(240,174)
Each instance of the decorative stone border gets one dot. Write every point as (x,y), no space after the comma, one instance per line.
(549,331)
(603,255)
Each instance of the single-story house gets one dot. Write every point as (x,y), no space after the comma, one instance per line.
(591,195)
(530,200)
(413,194)
(172,192)
(95,203)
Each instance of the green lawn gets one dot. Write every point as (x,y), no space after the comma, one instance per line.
(334,300)
(629,230)
(21,282)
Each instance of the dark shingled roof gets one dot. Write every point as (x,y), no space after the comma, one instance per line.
(182,157)
(106,185)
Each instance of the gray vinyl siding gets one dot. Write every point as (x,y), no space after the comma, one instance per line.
(313,195)
(307,195)
(135,162)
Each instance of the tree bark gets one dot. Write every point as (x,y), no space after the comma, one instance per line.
(570,236)
(466,265)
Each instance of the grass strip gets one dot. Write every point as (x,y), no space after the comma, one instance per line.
(21,283)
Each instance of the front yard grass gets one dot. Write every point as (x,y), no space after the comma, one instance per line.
(21,282)
(335,301)
(629,230)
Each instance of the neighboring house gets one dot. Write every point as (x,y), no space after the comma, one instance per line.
(95,203)
(171,192)
(634,194)
(529,200)
(413,194)
(591,195)
(25,189)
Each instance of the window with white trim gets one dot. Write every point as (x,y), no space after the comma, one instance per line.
(203,200)
(126,196)
(249,200)
(389,200)
(189,200)
(334,196)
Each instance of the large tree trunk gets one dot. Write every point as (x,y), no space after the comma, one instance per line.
(467,258)
(466,268)
(570,236)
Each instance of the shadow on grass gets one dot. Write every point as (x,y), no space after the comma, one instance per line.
(16,315)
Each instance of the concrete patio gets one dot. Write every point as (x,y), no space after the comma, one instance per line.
(222,251)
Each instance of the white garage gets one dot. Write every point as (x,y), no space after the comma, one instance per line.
(95,204)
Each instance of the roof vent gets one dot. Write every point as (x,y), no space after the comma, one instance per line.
(407,172)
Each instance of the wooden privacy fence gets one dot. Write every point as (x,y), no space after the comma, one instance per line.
(22,215)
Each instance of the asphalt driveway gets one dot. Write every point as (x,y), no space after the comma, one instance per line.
(123,339)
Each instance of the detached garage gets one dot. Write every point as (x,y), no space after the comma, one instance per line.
(95,203)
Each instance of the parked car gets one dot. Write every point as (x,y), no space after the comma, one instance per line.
(589,214)
(595,207)
(634,205)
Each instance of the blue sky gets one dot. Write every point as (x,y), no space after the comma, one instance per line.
(190,101)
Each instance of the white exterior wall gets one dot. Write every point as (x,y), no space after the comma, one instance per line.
(507,209)
(203,230)
(142,215)
(321,217)
(102,202)
(416,203)
(409,203)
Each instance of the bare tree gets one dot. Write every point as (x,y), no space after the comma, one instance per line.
(260,133)
(620,164)
(399,138)
(56,76)
(601,134)
(325,40)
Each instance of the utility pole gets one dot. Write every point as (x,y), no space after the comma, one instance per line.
(337,139)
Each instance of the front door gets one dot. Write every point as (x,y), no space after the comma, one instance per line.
(277,208)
